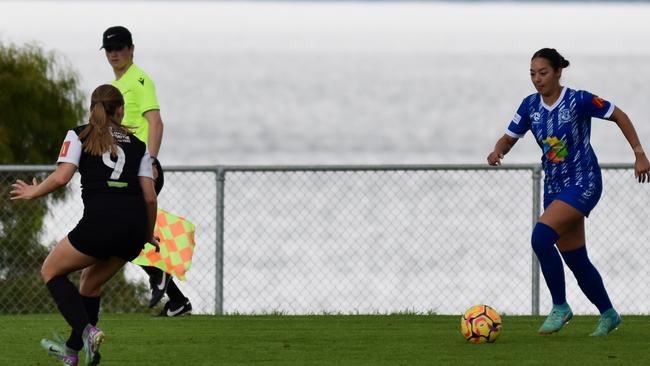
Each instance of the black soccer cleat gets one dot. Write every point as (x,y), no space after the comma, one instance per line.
(159,282)
(172,308)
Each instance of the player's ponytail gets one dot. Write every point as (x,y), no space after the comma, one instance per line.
(97,138)
(557,61)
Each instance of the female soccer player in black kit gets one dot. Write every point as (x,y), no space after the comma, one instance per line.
(120,205)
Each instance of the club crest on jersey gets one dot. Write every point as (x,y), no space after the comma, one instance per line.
(555,149)
(564,115)
(598,101)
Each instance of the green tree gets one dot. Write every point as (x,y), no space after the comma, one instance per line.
(39,101)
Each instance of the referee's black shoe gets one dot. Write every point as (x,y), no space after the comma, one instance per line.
(173,308)
(159,280)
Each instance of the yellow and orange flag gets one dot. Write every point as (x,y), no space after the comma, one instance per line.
(176,245)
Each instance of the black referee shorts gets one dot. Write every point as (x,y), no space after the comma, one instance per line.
(160,181)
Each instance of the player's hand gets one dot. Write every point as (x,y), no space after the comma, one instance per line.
(642,169)
(22,190)
(494,158)
(155,241)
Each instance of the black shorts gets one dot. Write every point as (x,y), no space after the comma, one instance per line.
(160,180)
(111,226)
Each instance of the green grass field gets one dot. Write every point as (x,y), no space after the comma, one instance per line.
(138,339)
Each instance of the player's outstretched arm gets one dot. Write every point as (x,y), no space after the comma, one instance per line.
(501,148)
(641,163)
(59,178)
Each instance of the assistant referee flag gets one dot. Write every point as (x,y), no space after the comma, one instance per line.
(176,245)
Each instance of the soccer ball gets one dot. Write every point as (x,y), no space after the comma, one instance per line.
(480,324)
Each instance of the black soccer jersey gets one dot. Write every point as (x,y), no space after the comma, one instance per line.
(108,173)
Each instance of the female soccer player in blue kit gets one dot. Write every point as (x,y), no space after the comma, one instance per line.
(560,120)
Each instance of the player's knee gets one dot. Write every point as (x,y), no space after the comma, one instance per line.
(543,237)
(88,290)
(47,272)
(45,275)
(87,287)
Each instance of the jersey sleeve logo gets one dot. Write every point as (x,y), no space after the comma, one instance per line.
(141,80)
(598,101)
(64,149)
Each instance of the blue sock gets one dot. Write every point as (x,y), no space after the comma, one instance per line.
(588,278)
(543,241)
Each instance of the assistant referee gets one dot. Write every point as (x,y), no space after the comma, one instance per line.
(142,114)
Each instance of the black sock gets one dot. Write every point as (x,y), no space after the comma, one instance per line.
(151,271)
(67,299)
(75,341)
(91,304)
(174,292)
(154,275)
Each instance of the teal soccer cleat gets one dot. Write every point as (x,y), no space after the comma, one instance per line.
(560,315)
(58,349)
(609,321)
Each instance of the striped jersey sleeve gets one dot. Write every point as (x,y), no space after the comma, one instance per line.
(595,106)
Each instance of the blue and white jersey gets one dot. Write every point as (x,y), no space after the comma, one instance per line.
(563,132)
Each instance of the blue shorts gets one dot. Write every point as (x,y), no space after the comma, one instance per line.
(582,198)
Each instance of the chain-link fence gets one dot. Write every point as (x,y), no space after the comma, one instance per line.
(351,239)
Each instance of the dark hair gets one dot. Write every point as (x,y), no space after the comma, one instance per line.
(554,57)
(98,137)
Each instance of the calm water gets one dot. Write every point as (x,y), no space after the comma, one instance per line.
(286,83)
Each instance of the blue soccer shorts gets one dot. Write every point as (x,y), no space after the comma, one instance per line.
(581,197)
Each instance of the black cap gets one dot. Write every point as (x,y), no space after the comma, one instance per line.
(116,36)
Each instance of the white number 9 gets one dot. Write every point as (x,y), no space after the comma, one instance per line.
(118,165)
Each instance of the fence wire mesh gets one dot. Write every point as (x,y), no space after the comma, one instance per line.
(346,240)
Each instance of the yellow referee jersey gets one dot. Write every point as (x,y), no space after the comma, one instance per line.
(139,94)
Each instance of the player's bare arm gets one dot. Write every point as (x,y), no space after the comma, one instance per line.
(501,148)
(59,178)
(641,164)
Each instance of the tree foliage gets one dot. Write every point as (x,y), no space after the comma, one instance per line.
(39,101)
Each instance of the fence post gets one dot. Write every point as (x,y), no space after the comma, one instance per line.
(218,280)
(537,206)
